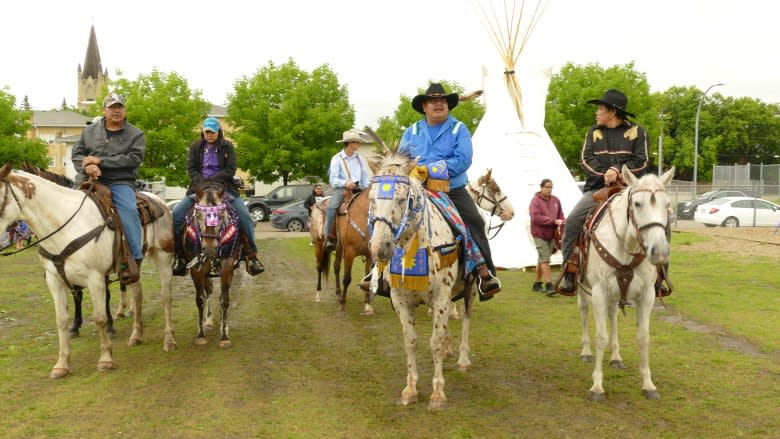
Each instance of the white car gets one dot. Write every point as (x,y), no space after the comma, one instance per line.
(738,211)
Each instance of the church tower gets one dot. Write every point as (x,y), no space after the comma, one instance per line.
(92,77)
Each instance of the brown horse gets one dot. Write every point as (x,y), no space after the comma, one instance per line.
(212,247)
(352,241)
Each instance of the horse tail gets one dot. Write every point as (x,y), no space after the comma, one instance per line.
(325,265)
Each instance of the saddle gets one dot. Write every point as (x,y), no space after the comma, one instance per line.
(124,264)
(349,197)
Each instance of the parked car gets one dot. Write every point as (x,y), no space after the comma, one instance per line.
(260,207)
(686,209)
(738,211)
(292,217)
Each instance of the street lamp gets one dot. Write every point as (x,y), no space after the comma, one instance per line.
(696,138)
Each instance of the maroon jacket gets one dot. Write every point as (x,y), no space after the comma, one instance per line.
(543,215)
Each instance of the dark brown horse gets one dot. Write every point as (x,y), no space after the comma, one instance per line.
(352,241)
(212,247)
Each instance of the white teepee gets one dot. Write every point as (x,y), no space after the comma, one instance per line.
(511,138)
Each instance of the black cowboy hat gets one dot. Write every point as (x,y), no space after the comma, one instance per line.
(435,90)
(614,99)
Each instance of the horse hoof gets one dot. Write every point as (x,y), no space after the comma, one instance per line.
(464,367)
(597,396)
(225,344)
(170,347)
(404,401)
(74,333)
(58,372)
(617,364)
(111,332)
(105,365)
(651,394)
(201,341)
(587,358)
(134,342)
(437,405)
(120,315)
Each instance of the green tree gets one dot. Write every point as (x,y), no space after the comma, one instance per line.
(168,111)
(391,129)
(14,125)
(287,121)
(569,116)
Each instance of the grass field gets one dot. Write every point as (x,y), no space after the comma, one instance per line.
(297,370)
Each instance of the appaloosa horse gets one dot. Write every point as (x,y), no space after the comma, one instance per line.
(626,245)
(412,235)
(76,244)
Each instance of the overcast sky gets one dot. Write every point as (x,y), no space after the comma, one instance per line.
(383,49)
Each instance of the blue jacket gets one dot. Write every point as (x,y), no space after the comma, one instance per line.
(452,144)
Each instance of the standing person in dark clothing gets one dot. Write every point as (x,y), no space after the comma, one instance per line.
(612,142)
(213,158)
(546,214)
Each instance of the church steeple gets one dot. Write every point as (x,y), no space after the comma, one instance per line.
(92,77)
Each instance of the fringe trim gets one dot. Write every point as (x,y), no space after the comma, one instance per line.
(410,252)
(444,261)
(416,283)
(438,185)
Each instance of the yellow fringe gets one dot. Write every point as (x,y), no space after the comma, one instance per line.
(438,185)
(380,266)
(416,283)
(410,251)
(446,260)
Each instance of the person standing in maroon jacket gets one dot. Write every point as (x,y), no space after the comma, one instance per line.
(546,215)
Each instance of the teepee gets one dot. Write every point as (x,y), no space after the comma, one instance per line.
(511,138)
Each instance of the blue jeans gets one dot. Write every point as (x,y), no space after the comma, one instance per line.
(333,206)
(245,223)
(124,200)
(574,222)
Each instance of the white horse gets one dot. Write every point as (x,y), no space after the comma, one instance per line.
(400,221)
(65,219)
(625,248)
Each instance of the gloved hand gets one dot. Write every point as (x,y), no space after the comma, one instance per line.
(420,173)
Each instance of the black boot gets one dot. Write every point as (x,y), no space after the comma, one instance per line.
(254,267)
(565,284)
(537,288)
(179,266)
(487,285)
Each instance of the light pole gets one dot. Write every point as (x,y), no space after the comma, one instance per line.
(696,139)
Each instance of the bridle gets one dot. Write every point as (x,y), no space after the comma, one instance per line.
(415,205)
(490,196)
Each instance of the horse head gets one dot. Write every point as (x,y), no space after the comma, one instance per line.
(648,212)
(489,197)
(394,199)
(14,189)
(213,219)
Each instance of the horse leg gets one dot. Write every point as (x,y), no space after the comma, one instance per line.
(137,336)
(643,311)
(123,304)
(97,291)
(582,303)
(224,300)
(368,297)
(600,320)
(59,294)
(203,289)
(406,315)
(464,363)
(319,257)
(78,320)
(337,272)
(439,345)
(164,262)
(615,360)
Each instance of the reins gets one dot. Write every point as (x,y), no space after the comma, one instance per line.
(481,195)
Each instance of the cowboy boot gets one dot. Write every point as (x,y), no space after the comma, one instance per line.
(487,284)
(130,271)
(566,282)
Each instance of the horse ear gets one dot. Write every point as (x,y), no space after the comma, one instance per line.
(6,169)
(628,176)
(667,177)
(373,164)
(488,175)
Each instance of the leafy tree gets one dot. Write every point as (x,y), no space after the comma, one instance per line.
(569,116)
(14,124)
(168,111)
(287,121)
(469,112)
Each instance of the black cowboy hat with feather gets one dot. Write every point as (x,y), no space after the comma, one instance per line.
(435,90)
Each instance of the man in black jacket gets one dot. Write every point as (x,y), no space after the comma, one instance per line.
(213,158)
(612,142)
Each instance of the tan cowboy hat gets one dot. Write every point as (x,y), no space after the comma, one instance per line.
(351,136)
(435,90)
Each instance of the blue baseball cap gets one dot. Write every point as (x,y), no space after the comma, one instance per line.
(211,124)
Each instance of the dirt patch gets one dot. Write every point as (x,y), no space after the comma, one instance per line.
(757,241)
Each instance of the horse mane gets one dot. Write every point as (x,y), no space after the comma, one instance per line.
(47,175)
